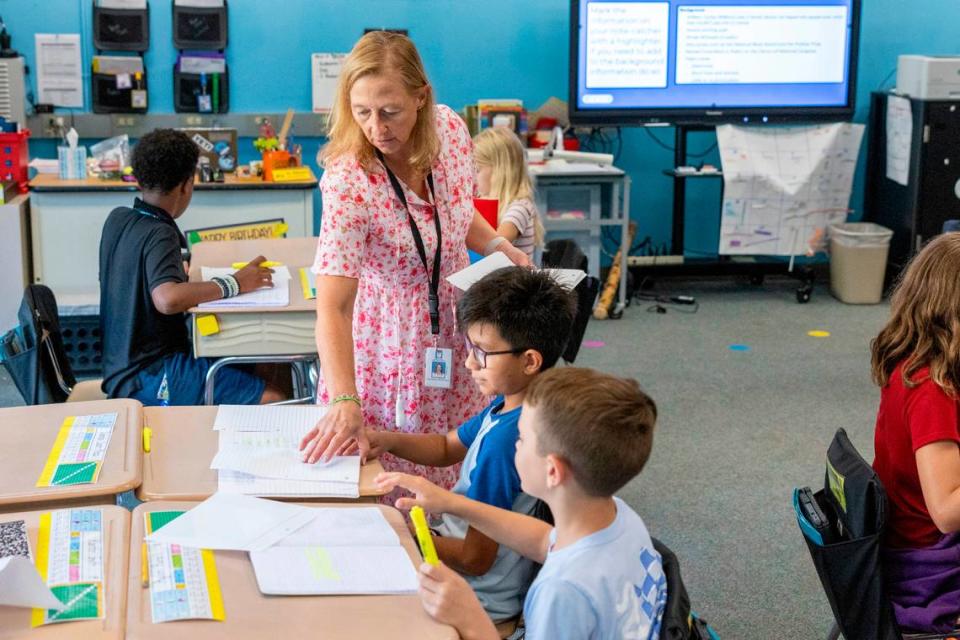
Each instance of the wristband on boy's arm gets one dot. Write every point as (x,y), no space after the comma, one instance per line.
(493,244)
(233,285)
(222,284)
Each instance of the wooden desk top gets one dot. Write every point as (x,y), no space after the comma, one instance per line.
(250,614)
(50,183)
(184,443)
(15,621)
(292,252)
(27,435)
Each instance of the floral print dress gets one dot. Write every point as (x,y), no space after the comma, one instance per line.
(365,234)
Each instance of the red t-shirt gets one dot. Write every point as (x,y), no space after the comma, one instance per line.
(907,420)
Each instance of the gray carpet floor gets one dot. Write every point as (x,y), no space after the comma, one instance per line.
(738,430)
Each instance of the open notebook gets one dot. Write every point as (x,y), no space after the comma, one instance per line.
(258,454)
(342,551)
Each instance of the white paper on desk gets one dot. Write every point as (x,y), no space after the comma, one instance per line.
(267,418)
(59,75)
(285,464)
(319,570)
(333,527)
(22,586)
(245,484)
(276,296)
(899,138)
(234,522)
(465,278)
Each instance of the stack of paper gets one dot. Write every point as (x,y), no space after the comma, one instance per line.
(341,551)
(276,296)
(259,454)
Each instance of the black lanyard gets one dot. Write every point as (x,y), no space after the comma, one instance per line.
(418,240)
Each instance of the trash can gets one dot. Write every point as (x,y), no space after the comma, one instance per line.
(858,261)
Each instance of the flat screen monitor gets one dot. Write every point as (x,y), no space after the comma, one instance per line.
(712,61)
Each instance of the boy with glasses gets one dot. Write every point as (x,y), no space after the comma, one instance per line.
(515,323)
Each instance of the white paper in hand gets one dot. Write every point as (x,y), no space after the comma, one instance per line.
(465,278)
(568,278)
(22,586)
(235,522)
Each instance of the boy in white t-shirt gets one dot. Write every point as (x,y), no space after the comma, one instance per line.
(583,436)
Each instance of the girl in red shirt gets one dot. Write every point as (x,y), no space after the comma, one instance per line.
(916,362)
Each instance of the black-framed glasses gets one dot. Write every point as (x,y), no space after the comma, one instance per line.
(481,356)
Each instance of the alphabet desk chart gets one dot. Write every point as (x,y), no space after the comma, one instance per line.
(79,450)
(70,560)
(183,580)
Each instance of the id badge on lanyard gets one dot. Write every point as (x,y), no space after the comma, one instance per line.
(438,361)
(438,367)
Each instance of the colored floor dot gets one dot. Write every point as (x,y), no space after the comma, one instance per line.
(739,347)
(817,333)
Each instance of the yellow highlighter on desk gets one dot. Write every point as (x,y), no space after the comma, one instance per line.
(267,264)
(423,536)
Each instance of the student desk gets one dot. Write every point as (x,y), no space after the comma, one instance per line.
(250,614)
(67,216)
(258,334)
(182,446)
(27,435)
(253,331)
(15,621)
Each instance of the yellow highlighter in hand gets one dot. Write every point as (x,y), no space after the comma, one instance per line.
(267,264)
(423,536)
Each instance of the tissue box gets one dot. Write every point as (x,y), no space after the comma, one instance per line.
(73,163)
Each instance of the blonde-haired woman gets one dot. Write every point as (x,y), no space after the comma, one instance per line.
(916,363)
(502,174)
(398,174)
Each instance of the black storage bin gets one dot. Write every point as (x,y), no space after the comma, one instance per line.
(200,27)
(82,343)
(107,98)
(186,88)
(121,29)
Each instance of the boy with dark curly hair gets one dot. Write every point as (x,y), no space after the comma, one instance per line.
(144,292)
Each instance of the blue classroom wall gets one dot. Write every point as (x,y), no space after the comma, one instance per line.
(497,48)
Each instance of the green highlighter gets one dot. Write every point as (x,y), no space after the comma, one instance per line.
(423,536)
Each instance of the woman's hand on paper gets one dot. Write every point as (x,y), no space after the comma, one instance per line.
(253,276)
(337,433)
(426,494)
(448,598)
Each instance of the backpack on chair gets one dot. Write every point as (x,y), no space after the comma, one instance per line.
(33,353)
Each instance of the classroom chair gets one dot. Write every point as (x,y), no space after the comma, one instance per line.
(34,355)
(846,548)
(586,292)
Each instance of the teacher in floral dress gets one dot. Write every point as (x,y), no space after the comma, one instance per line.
(398,217)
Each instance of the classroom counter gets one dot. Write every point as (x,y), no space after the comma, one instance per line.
(51,183)
(67,216)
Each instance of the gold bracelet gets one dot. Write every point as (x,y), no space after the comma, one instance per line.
(346,397)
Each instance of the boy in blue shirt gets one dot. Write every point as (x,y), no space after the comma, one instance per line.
(583,436)
(516,323)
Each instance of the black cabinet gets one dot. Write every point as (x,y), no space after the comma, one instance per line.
(915,211)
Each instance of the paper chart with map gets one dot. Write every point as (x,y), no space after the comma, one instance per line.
(783,186)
